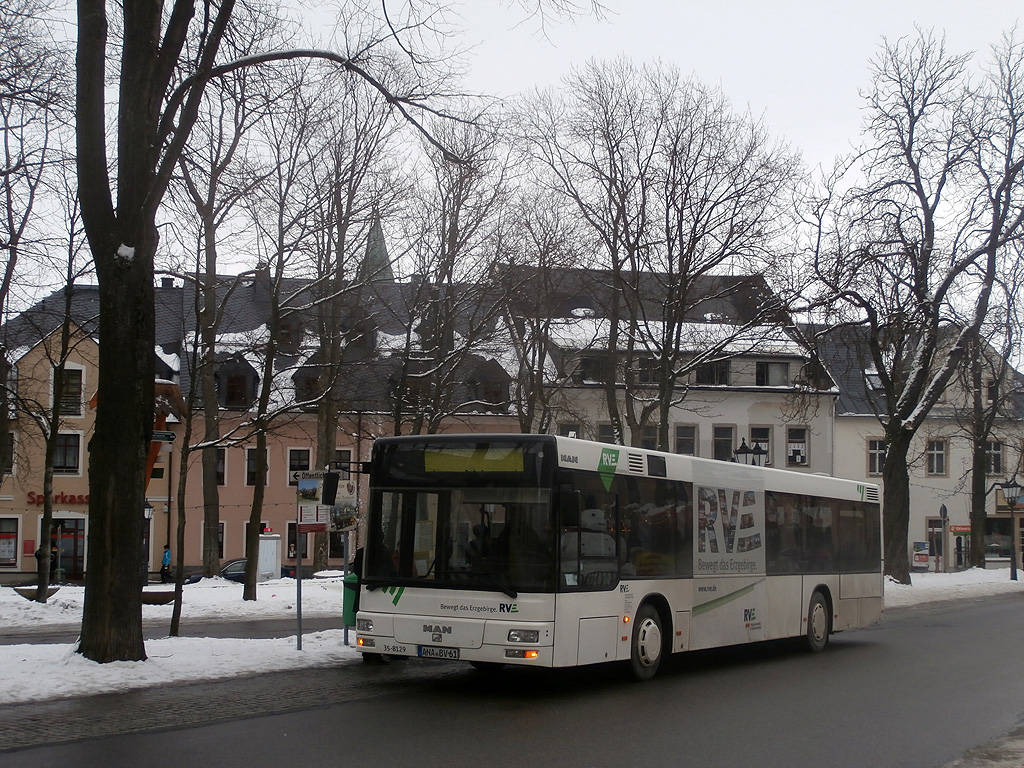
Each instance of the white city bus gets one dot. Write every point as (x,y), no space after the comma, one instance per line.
(556,552)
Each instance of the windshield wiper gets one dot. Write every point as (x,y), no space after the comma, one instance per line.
(495,581)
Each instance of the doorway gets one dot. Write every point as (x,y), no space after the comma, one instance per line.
(69,533)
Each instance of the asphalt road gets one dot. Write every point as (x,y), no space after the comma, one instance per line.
(921,690)
(255,628)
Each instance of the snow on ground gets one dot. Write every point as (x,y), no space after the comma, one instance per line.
(34,672)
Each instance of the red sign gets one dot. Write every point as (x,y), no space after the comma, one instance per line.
(312,527)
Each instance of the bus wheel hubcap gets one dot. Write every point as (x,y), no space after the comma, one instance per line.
(818,621)
(648,645)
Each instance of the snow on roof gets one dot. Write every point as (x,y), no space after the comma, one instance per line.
(588,333)
(173,362)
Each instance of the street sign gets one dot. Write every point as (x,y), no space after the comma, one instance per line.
(313,518)
(160,436)
(299,474)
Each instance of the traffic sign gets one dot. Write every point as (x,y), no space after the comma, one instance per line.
(299,474)
(160,436)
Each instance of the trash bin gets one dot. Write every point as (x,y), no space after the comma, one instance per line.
(350,601)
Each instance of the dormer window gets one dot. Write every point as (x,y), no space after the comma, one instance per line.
(236,391)
(289,335)
(307,385)
(593,369)
(236,384)
(772,374)
(713,374)
(647,370)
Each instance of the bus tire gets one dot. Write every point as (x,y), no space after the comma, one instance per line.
(489,667)
(374,658)
(818,623)
(648,644)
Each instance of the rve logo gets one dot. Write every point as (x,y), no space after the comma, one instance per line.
(749,615)
(508,608)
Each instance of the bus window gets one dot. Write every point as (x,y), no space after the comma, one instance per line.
(589,550)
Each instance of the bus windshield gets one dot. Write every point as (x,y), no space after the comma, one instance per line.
(499,538)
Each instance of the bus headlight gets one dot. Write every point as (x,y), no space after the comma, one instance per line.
(364,625)
(523,635)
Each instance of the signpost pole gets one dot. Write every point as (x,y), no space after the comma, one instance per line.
(298,588)
(344,573)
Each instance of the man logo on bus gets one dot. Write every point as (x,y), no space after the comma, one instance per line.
(606,467)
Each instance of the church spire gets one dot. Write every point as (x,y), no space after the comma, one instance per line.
(376,265)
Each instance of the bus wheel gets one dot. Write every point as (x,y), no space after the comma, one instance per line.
(648,643)
(817,623)
(374,658)
(487,666)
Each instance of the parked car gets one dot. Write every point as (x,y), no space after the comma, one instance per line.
(234,570)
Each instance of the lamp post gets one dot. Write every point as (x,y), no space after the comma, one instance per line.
(743,452)
(757,453)
(147,514)
(1011,493)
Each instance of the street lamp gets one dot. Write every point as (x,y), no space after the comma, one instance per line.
(147,513)
(1011,493)
(743,452)
(757,453)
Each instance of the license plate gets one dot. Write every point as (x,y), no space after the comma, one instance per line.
(430,652)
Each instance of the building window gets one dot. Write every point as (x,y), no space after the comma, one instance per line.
(761,437)
(236,391)
(722,443)
(876,456)
(606,434)
(222,457)
(71,398)
(994,457)
(307,385)
(67,459)
(250,467)
(8,457)
(593,369)
(713,374)
(569,430)
(772,374)
(295,540)
(796,447)
(646,370)
(992,391)
(298,461)
(935,457)
(649,438)
(686,439)
(8,542)
(343,463)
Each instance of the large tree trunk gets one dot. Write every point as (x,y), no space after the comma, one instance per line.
(112,615)
(896,506)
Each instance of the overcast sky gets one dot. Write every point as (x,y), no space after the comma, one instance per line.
(798,65)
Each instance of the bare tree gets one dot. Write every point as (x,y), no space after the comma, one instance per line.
(33,106)
(156,111)
(914,247)
(995,392)
(678,189)
(452,307)
(216,175)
